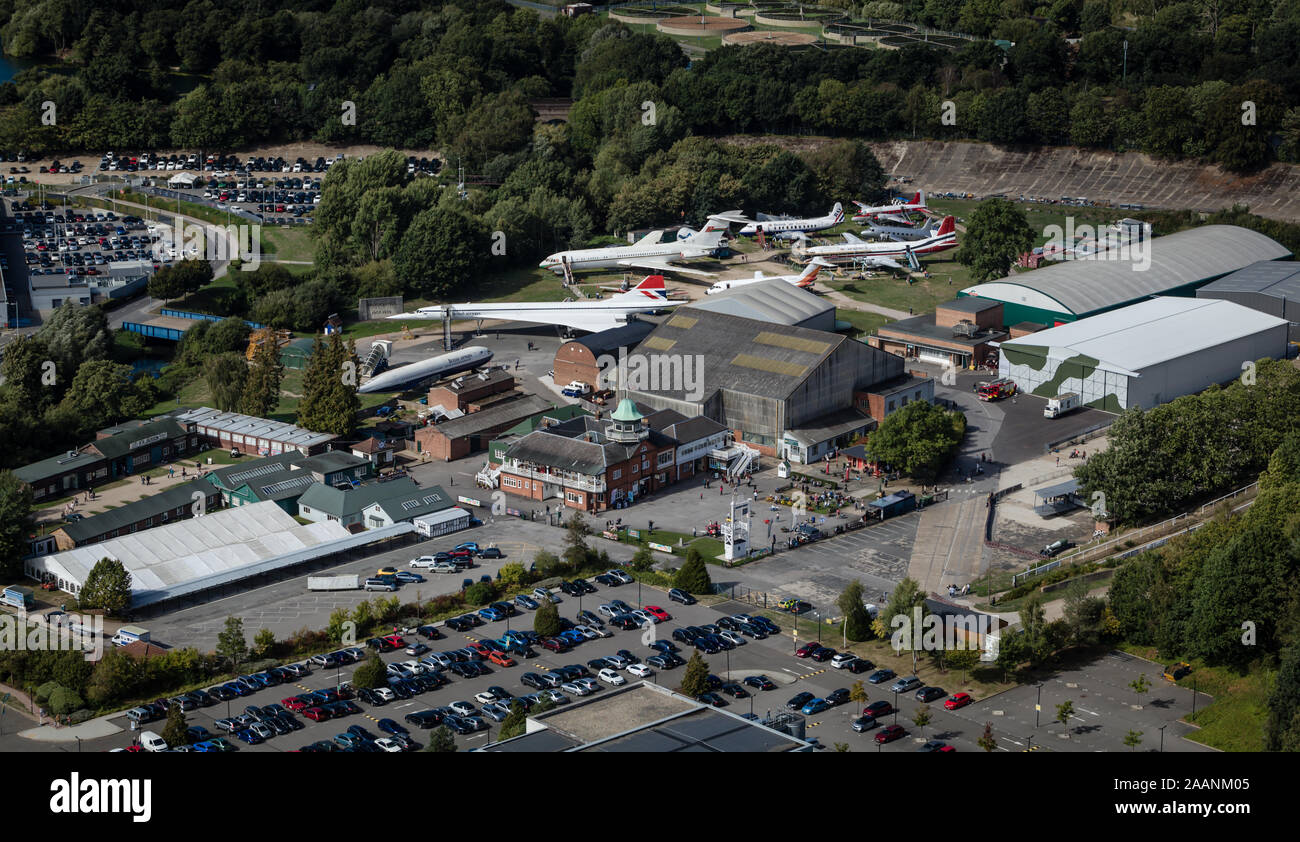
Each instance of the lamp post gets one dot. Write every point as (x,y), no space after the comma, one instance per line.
(1162,737)
(1038,705)
(895,707)
(1030,747)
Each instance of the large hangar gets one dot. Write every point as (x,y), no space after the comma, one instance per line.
(1173,265)
(1269,286)
(1144,355)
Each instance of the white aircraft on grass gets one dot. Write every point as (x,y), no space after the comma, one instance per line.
(804,280)
(648,252)
(646,297)
(785,228)
(854,250)
(902,233)
(897,209)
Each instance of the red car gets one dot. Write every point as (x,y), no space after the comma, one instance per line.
(957,700)
(316,714)
(294,704)
(554,644)
(460,554)
(482,649)
(807,649)
(890,733)
(658,613)
(501,659)
(396,640)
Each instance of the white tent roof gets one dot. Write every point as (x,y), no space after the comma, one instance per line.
(166,559)
(1150,332)
(443,516)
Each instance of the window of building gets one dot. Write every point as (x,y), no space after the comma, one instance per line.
(918,395)
(510,482)
(904,403)
(889,407)
(635,468)
(617,472)
(573,498)
(664,458)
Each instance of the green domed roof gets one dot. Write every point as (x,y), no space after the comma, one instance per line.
(626,411)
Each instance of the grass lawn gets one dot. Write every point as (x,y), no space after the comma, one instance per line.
(285,243)
(215,298)
(1236,716)
(922,295)
(864,324)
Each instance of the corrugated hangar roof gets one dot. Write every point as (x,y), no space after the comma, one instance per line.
(1081,287)
(1279,278)
(770,300)
(741,354)
(1150,332)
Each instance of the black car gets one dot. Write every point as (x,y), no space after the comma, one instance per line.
(532,679)
(685,636)
(706,644)
(838,697)
(762,682)
(584,585)
(591,619)
(571,589)
(429,632)
(379,644)
(735,691)
(626,622)
(713,699)
(929,694)
(491,552)
(424,718)
(859,665)
(729,624)
(679,595)
(823,654)
(606,580)
(663,662)
(881,676)
(799,701)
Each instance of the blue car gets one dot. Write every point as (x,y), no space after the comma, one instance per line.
(469,545)
(249,737)
(525,601)
(491,614)
(815,706)
(408,577)
(238,689)
(573,636)
(389,726)
(197,734)
(348,740)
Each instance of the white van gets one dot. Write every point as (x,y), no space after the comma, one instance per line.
(150,741)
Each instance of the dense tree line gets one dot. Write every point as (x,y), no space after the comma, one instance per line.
(1163,460)
(456,75)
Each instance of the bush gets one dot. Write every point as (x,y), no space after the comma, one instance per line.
(64,701)
(480,593)
(371,673)
(546,621)
(43,693)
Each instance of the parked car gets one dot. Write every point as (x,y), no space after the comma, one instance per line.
(761,682)
(679,595)
(904,685)
(880,676)
(929,694)
(957,700)
(890,733)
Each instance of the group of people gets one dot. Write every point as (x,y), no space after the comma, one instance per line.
(954,590)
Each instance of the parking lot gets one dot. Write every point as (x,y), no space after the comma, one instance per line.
(63,242)
(277,190)
(1105,707)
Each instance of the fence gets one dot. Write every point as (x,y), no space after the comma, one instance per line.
(1079,436)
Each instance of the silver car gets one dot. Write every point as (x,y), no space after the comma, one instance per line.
(903,685)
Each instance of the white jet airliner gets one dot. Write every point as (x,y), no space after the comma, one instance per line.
(646,297)
(883,254)
(648,252)
(896,209)
(791,228)
(804,280)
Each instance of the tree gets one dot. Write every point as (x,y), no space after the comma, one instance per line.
(857,623)
(695,681)
(15,522)
(1140,685)
(442,740)
(922,717)
(546,621)
(261,393)
(1063,713)
(996,235)
(231,643)
(1083,613)
(693,576)
(907,603)
(74,334)
(371,673)
(263,643)
(858,693)
(481,593)
(329,402)
(842,748)
(963,660)
(174,732)
(643,560)
(986,740)
(442,251)
(1283,729)
(1133,739)
(514,723)
(63,701)
(108,587)
(918,439)
(226,375)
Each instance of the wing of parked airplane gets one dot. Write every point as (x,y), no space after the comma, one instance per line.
(886,262)
(656,264)
(851,238)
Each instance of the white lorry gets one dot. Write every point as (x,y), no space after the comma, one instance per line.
(1061,404)
(130,634)
(333,583)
